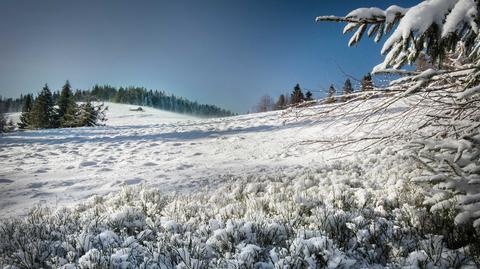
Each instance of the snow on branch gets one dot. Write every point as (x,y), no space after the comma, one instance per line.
(435,27)
(443,97)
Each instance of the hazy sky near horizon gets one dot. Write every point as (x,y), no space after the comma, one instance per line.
(223,52)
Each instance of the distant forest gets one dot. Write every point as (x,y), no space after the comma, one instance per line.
(129,95)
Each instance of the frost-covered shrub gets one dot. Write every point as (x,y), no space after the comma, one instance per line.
(358,213)
(447,140)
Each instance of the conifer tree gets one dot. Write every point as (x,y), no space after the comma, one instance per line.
(91,115)
(308,96)
(297,95)
(441,37)
(27,108)
(67,108)
(331,94)
(347,89)
(367,83)
(43,113)
(281,102)
(3,122)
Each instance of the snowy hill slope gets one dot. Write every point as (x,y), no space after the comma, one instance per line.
(252,191)
(61,166)
(121,115)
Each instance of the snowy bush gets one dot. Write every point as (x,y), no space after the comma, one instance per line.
(447,143)
(340,215)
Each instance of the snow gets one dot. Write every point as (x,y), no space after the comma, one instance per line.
(392,11)
(464,11)
(469,92)
(251,191)
(14,116)
(121,115)
(366,13)
(418,19)
(374,12)
(165,150)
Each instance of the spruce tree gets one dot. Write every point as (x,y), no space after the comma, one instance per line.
(367,83)
(308,96)
(3,122)
(26,109)
(281,102)
(297,95)
(347,89)
(91,115)
(67,108)
(331,94)
(43,114)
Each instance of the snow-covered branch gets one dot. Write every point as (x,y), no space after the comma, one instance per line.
(433,26)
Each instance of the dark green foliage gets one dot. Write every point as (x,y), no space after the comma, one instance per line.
(331,94)
(70,117)
(27,108)
(91,115)
(406,48)
(3,122)
(43,113)
(308,96)
(297,95)
(347,89)
(157,99)
(367,83)
(281,102)
(129,95)
(11,105)
(40,112)
(67,108)
(3,119)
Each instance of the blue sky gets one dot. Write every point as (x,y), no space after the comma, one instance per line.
(224,52)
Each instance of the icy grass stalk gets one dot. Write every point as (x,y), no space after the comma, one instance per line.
(360,213)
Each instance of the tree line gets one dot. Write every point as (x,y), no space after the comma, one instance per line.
(127,95)
(297,96)
(45,111)
(152,98)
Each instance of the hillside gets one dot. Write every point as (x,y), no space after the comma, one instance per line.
(121,115)
(157,148)
(382,172)
(258,189)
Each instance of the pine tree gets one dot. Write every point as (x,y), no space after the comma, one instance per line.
(3,122)
(91,115)
(297,95)
(281,102)
(67,108)
(367,83)
(308,96)
(449,92)
(43,114)
(455,27)
(347,89)
(331,94)
(25,116)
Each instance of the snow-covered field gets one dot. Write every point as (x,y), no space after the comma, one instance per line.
(158,190)
(162,149)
